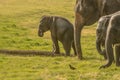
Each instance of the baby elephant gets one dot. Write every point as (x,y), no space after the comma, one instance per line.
(61,30)
(108,35)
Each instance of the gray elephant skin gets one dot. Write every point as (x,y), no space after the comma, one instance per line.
(108,35)
(87,12)
(101,33)
(61,30)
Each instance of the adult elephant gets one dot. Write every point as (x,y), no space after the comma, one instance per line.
(101,30)
(87,12)
(113,39)
(107,33)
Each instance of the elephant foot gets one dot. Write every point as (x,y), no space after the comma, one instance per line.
(80,57)
(56,52)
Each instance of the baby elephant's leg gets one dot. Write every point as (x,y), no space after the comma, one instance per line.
(67,47)
(117,52)
(67,42)
(56,49)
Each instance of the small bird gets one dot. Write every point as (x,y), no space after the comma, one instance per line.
(71,67)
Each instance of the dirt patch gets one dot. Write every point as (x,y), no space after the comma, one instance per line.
(30,53)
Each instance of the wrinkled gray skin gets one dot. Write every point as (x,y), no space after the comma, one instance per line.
(113,39)
(87,12)
(101,33)
(61,30)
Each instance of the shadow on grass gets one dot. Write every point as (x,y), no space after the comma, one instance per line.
(30,53)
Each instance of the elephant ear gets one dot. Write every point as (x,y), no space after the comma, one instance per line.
(43,18)
(46,20)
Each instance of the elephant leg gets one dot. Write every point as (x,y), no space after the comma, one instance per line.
(56,49)
(73,46)
(67,47)
(67,44)
(77,35)
(117,52)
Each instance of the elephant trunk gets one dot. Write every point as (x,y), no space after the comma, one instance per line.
(98,46)
(109,52)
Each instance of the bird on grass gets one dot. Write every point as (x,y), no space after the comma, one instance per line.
(71,67)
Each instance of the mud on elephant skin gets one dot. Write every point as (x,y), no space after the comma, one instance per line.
(87,12)
(110,35)
(61,30)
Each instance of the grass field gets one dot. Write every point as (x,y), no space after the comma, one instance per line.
(19,21)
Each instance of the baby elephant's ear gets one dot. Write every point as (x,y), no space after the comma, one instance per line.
(43,18)
(48,19)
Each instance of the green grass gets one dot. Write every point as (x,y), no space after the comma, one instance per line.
(19,21)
